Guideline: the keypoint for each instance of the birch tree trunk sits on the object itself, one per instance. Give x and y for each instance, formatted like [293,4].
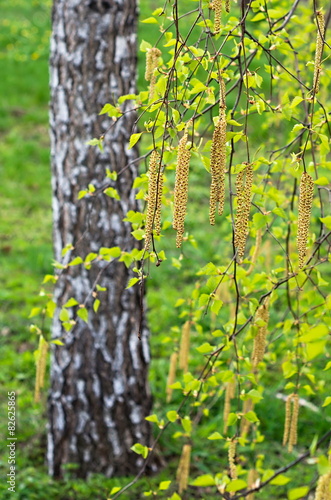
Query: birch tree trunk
[99,395]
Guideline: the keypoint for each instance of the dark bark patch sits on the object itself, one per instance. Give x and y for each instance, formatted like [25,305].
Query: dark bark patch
[99,6]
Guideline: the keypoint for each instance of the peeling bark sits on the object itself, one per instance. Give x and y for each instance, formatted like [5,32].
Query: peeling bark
[99,395]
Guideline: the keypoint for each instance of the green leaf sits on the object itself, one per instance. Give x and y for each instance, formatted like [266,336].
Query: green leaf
[327,221]
[115,489]
[82,193]
[113,252]
[187,424]
[110,110]
[144,46]
[297,493]
[150,20]
[204,299]
[164,485]
[216,306]
[327,366]
[76,261]
[204,480]
[259,220]
[322,181]
[175,496]
[172,415]
[131,282]
[205,348]
[71,303]
[57,342]
[152,418]
[34,312]
[316,333]
[127,97]
[82,313]
[66,249]
[296,101]
[327,401]
[112,193]
[134,139]
[96,305]
[258,17]
[111,174]
[215,435]
[280,480]
[140,450]
[232,419]
[236,485]
[64,315]
[251,416]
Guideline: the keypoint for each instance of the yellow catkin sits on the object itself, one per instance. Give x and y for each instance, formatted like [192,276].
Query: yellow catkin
[218,160]
[229,394]
[227,5]
[183,470]
[245,424]
[260,338]
[251,482]
[185,346]
[41,359]
[154,195]
[232,458]
[152,59]
[323,490]
[287,420]
[159,193]
[258,241]
[304,212]
[293,434]
[181,188]
[319,50]
[217,7]
[244,183]
[291,421]
[171,375]
[152,56]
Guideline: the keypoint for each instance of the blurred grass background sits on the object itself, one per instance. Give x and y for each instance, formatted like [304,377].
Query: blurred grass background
[26,256]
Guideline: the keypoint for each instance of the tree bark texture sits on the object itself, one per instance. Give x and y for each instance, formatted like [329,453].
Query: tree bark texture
[99,395]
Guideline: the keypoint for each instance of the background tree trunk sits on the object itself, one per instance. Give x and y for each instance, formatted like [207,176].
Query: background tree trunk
[99,395]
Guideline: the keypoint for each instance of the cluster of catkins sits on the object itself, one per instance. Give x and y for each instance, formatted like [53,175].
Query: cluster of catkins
[244,179]
[217,7]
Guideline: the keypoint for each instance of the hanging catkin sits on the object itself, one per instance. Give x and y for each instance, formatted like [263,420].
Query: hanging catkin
[181,188]
[251,482]
[171,375]
[184,346]
[258,241]
[304,212]
[152,59]
[229,394]
[183,470]
[218,160]
[154,196]
[320,21]
[41,359]
[291,421]
[217,7]
[246,424]
[323,490]
[244,183]
[232,457]
[260,338]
